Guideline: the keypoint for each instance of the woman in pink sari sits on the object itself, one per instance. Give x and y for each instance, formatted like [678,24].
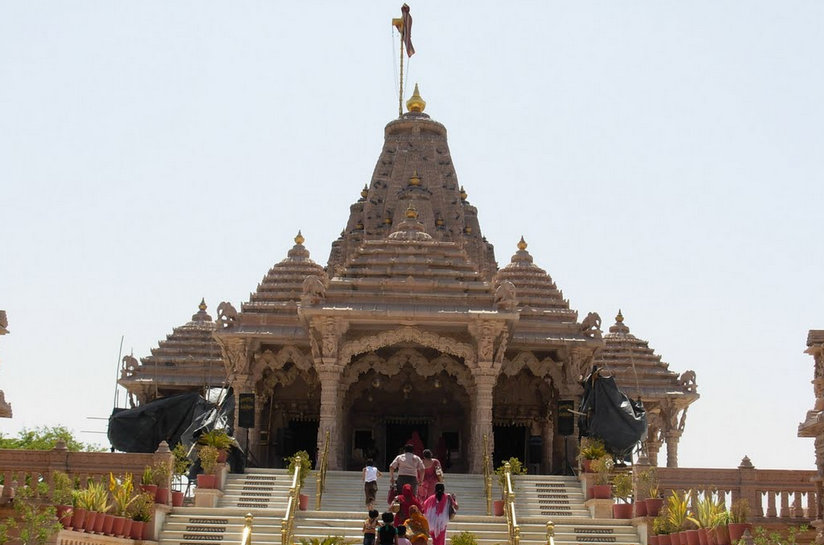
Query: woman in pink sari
[431,467]
[436,511]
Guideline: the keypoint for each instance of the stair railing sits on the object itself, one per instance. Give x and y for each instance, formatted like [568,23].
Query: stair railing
[509,507]
[487,461]
[321,472]
[246,537]
[550,533]
[287,525]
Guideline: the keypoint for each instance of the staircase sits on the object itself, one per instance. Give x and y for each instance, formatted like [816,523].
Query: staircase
[263,493]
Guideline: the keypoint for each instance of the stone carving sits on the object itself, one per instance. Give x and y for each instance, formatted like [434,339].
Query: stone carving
[226,314]
[505,296]
[591,325]
[408,334]
[687,381]
[235,357]
[272,360]
[128,366]
[406,356]
[314,290]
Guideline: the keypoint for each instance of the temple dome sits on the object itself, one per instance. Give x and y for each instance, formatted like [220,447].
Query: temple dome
[533,285]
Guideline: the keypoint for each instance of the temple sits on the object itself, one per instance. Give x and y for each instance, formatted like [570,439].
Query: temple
[412,330]
[5,408]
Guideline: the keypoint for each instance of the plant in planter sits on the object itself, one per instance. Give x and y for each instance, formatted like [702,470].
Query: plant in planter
[218,439]
[99,497]
[704,511]
[739,514]
[141,511]
[147,481]
[300,457]
[678,509]
[62,488]
[720,528]
[181,468]
[163,479]
[653,501]
[622,490]
[208,462]
[464,538]
[515,468]
[34,523]
[589,450]
[662,528]
[603,468]
[122,491]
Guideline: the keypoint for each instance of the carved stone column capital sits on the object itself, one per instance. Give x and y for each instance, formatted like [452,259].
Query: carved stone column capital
[236,356]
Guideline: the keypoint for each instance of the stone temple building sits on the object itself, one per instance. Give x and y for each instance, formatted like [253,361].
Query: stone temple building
[412,330]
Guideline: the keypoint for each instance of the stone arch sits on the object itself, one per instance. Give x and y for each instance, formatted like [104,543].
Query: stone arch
[446,345]
[539,368]
[392,366]
[279,359]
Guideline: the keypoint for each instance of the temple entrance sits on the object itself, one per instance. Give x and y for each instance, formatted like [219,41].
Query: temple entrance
[510,441]
[400,395]
[301,435]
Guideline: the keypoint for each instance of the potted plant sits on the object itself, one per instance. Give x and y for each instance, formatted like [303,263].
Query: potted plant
[622,490]
[79,503]
[218,439]
[589,450]
[739,514]
[300,457]
[464,538]
[644,479]
[515,468]
[34,523]
[163,479]
[62,488]
[141,511]
[704,511]
[602,467]
[719,527]
[662,527]
[654,501]
[208,462]
[99,497]
[147,481]
[181,468]
[122,491]
[677,510]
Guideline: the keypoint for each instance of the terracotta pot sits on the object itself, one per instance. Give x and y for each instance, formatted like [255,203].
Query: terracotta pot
[682,537]
[137,529]
[303,502]
[206,481]
[693,537]
[149,489]
[117,526]
[127,527]
[586,466]
[653,539]
[653,506]
[177,498]
[222,456]
[664,539]
[640,508]
[602,491]
[737,530]
[162,496]
[98,522]
[89,521]
[498,508]
[78,518]
[64,515]
[703,538]
[722,535]
[622,511]
[108,522]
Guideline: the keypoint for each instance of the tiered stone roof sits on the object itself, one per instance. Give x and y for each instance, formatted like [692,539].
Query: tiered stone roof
[189,358]
[638,370]
[415,166]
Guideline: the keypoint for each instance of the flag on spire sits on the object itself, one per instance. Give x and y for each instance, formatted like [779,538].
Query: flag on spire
[406,30]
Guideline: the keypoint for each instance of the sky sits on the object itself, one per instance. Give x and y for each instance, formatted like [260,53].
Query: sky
[660,157]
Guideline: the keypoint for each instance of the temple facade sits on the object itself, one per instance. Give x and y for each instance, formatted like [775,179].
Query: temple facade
[5,408]
[412,332]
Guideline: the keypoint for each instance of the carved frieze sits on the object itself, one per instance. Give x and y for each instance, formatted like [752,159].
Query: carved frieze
[370,343]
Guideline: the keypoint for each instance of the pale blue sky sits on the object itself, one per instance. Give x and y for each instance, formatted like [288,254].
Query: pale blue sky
[664,158]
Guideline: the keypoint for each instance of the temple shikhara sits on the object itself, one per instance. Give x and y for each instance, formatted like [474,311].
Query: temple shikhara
[413,330]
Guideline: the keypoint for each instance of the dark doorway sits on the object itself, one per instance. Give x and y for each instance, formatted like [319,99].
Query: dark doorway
[397,435]
[301,435]
[510,441]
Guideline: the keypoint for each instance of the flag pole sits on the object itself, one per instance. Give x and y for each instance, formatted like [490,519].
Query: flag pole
[400,90]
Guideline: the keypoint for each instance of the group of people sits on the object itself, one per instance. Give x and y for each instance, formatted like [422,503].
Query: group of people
[419,508]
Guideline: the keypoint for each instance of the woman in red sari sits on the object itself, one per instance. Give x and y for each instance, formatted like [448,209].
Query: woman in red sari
[431,467]
[436,511]
[406,500]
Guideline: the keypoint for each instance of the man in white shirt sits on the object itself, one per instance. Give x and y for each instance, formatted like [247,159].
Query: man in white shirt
[410,470]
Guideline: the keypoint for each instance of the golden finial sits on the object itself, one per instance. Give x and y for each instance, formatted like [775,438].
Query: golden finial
[463,194]
[415,102]
[620,317]
[439,221]
[299,239]
[467,229]
[415,179]
[202,305]
[387,220]
[522,243]
[364,192]
[411,212]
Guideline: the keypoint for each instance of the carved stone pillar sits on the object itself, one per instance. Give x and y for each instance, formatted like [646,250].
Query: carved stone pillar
[241,384]
[482,417]
[254,434]
[672,439]
[329,375]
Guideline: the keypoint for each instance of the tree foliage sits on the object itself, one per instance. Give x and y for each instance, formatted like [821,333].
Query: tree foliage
[45,438]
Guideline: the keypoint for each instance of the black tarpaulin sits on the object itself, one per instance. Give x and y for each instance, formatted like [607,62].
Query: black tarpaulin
[608,414]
